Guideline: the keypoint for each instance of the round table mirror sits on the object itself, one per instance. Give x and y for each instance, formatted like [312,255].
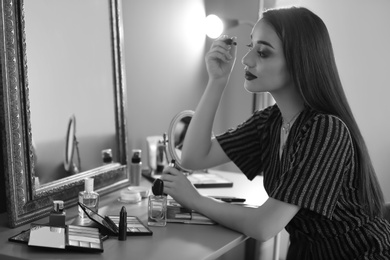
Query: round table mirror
[70,146]
[176,133]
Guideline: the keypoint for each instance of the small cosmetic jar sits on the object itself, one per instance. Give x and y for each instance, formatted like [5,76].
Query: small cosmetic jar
[129,196]
[144,191]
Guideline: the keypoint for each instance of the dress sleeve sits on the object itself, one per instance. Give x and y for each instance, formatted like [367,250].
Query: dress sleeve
[244,144]
[319,162]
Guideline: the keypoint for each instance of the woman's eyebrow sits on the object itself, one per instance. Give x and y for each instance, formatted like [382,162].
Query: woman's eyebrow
[265,43]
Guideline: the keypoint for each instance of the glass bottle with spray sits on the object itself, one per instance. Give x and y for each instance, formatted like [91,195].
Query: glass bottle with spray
[88,197]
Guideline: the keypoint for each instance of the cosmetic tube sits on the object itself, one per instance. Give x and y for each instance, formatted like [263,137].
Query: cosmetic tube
[122,224]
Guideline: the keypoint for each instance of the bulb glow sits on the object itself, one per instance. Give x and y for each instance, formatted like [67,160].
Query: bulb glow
[214,26]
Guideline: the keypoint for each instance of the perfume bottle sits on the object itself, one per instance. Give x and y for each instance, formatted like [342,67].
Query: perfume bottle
[135,168]
[157,205]
[57,215]
[88,197]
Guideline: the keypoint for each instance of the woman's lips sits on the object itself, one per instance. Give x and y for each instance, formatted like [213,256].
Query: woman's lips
[249,76]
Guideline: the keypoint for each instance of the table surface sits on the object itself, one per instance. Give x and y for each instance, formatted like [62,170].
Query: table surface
[174,241]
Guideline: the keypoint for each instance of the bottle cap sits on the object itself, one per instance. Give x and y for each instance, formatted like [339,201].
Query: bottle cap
[58,205]
[158,187]
[88,184]
[136,156]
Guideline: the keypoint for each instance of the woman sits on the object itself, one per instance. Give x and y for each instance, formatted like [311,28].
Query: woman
[317,172]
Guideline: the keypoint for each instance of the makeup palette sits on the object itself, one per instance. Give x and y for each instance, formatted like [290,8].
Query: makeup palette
[135,227]
[110,224]
[83,238]
[69,237]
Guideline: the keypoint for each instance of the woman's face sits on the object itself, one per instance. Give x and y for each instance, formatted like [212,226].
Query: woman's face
[265,64]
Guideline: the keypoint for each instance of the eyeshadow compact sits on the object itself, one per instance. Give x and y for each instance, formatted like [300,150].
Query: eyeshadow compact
[69,237]
[110,224]
[135,227]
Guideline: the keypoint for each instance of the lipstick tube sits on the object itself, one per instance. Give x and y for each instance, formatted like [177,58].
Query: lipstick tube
[122,224]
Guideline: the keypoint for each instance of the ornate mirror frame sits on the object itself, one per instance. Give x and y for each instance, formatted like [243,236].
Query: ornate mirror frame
[25,203]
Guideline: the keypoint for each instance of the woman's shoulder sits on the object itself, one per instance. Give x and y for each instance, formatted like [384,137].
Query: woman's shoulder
[268,112]
[319,118]
[326,123]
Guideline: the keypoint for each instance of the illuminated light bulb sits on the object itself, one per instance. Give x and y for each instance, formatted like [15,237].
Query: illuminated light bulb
[214,26]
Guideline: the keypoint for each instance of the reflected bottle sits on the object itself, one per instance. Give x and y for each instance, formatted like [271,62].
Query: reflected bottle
[88,197]
[107,156]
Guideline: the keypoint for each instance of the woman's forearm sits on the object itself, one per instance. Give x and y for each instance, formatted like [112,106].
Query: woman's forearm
[261,223]
[197,142]
[242,219]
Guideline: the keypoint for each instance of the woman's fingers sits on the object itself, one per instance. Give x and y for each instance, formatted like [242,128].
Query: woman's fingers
[171,170]
[220,50]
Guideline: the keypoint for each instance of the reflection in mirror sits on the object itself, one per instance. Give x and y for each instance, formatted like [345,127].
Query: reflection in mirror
[73,78]
[71,145]
[25,201]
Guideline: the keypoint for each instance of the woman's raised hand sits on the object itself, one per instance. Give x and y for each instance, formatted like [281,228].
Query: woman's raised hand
[221,57]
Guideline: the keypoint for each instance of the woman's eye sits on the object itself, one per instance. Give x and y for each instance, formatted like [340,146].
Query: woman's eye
[262,54]
[250,46]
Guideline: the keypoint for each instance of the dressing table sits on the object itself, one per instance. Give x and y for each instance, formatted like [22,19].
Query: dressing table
[175,241]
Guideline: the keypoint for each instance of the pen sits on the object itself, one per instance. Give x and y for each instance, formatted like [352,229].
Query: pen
[229,199]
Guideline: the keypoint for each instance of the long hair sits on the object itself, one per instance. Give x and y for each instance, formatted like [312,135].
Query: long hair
[310,60]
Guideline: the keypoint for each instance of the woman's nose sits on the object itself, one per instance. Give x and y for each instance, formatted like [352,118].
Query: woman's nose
[246,60]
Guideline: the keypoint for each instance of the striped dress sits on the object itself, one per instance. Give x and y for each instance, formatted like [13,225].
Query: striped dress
[317,171]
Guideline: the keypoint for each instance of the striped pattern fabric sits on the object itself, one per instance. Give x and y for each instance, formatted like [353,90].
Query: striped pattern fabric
[318,172]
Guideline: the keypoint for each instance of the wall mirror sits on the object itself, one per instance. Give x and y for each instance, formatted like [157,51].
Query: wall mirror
[27,201]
